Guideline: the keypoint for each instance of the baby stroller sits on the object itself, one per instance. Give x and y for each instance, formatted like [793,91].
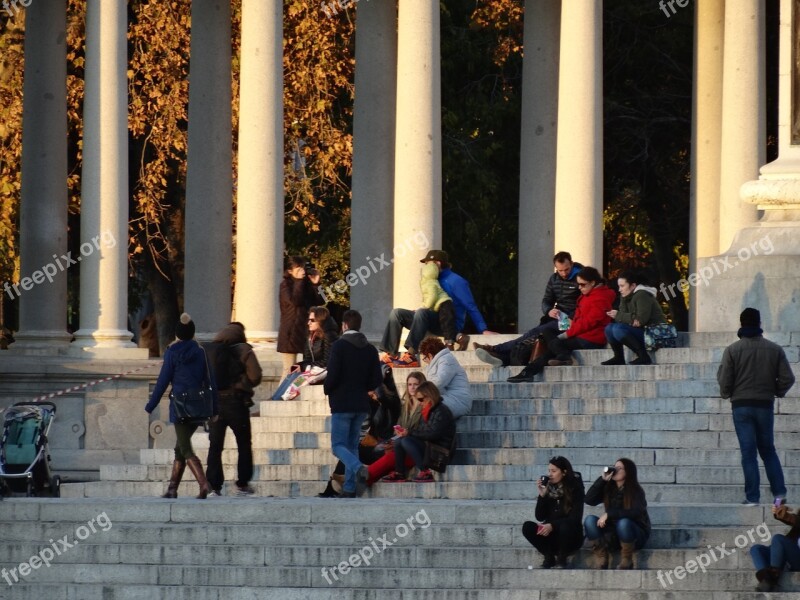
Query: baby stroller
[24,454]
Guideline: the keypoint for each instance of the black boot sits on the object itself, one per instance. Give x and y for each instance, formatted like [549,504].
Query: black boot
[619,354]
[178,467]
[329,491]
[528,374]
[549,561]
[642,357]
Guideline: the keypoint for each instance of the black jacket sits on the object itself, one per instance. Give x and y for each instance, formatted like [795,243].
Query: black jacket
[353,370]
[562,291]
[318,352]
[440,428]
[615,507]
[552,510]
[296,296]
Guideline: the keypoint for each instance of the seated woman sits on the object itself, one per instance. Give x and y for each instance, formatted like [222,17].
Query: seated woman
[638,308]
[587,330]
[410,414]
[783,553]
[625,524]
[559,510]
[437,426]
[445,372]
[321,335]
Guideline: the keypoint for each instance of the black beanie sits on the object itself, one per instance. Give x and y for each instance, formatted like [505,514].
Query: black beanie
[750,317]
[184,330]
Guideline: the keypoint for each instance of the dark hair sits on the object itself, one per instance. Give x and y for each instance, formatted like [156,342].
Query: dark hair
[562,257]
[591,275]
[569,480]
[631,489]
[629,275]
[429,389]
[293,261]
[431,345]
[321,314]
[353,319]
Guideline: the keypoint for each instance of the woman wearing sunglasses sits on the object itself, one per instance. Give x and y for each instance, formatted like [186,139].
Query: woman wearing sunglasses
[559,510]
[436,426]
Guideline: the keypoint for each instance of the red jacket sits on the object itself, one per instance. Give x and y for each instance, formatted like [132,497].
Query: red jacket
[590,318]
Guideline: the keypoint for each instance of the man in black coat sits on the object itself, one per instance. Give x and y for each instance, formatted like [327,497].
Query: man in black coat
[353,371]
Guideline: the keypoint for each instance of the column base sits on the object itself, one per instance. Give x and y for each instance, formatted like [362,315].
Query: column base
[105,343]
[41,342]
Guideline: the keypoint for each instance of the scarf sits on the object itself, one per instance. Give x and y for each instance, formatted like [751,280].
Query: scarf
[426,410]
[750,332]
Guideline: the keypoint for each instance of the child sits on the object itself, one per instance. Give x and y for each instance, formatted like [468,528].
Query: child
[436,299]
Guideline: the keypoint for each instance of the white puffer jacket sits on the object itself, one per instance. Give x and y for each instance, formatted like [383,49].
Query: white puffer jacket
[451,379]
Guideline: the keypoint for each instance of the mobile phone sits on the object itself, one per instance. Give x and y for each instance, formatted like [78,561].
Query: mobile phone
[779,502]
[539,529]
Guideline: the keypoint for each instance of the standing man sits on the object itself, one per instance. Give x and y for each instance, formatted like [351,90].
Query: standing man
[353,371]
[561,294]
[422,321]
[236,372]
[754,371]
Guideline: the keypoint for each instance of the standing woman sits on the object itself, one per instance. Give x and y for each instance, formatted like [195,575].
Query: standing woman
[625,523]
[638,308]
[297,295]
[184,367]
[559,510]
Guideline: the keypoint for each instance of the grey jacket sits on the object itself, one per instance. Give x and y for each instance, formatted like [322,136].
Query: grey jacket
[451,379]
[753,372]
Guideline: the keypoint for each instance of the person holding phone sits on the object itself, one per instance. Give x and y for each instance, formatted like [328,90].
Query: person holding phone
[625,523]
[559,512]
[783,553]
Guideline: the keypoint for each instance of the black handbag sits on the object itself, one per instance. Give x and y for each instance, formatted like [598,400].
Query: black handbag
[195,406]
[436,457]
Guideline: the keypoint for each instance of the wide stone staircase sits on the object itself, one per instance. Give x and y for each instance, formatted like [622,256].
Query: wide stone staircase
[457,538]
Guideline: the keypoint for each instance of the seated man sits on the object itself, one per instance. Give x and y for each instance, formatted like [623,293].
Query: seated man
[422,321]
[561,294]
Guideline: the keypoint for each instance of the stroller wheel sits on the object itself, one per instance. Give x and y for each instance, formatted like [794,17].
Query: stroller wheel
[55,486]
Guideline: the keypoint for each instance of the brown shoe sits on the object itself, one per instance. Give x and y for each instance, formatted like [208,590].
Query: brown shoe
[462,341]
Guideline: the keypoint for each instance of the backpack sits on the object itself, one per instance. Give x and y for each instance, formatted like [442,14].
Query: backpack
[224,363]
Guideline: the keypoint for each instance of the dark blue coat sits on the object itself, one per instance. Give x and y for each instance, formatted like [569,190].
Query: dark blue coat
[353,370]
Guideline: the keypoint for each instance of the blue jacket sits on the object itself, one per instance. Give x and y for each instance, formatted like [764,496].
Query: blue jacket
[185,368]
[353,370]
[463,302]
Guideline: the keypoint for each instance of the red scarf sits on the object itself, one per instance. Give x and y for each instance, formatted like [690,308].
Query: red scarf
[426,410]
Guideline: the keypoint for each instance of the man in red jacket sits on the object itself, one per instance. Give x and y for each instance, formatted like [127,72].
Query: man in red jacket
[587,330]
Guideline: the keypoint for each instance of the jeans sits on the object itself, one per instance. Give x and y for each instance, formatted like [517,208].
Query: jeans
[234,414]
[624,530]
[411,446]
[419,322]
[754,429]
[287,381]
[780,551]
[504,349]
[345,435]
[616,331]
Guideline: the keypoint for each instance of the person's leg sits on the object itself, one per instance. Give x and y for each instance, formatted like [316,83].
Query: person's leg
[239,422]
[544,544]
[765,442]
[424,321]
[629,532]
[599,546]
[614,334]
[592,530]
[289,358]
[342,446]
[216,442]
[400,456]
[284,385]
[183,444]
[447,321]
[634,339]
[415,449]
[760,555]
[398,318]
[744,424]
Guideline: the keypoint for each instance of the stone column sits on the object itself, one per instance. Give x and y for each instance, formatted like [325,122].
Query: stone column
[42,288]
[537,172]
[579,171]
[259,218]
[743,113]
[104,181]
[706,139]
[373,163]
[207,285]
[418,147]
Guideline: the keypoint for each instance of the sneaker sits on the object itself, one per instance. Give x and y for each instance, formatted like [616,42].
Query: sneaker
[386,358]
[395,477]
[489,358]
[424,476]
[462,339]
[748,503]
[244,490]
[407,360]
[214,494]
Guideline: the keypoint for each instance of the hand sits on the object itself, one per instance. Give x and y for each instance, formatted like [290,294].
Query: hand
[612,313]
[553,314]
[636,323]
[487,332]
[313,276]
[214,419]
[542,488]
[601,522]
[607,476]
[544,530]
[562,335]
[295,369]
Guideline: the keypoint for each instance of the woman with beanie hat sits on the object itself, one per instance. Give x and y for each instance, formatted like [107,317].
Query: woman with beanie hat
[186,369]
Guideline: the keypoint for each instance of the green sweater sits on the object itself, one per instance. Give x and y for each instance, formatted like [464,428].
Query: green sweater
[642,305]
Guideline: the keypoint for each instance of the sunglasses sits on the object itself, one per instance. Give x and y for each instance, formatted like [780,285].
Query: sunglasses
[312,320]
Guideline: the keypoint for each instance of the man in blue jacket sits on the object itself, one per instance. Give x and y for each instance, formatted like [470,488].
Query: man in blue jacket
[353,371]
[422,321]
